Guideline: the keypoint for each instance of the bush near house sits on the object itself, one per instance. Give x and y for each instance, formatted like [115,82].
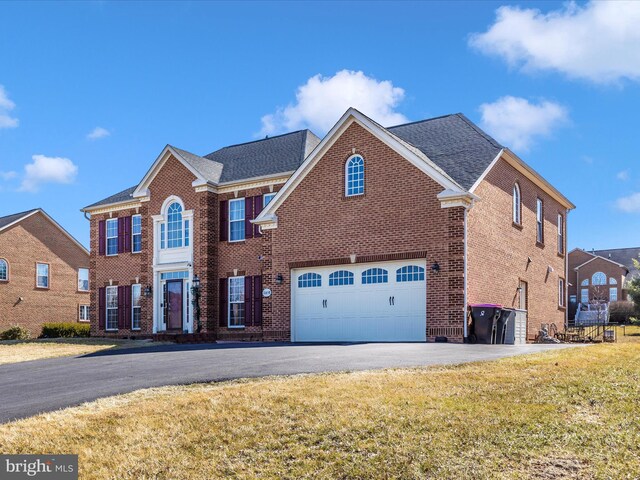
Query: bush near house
[15,333]
[621,312]
[64,330]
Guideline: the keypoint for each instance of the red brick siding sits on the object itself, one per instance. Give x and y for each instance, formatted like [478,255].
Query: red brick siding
[611,270]
[33,240]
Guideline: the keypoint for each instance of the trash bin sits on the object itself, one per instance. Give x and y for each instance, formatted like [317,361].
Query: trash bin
[485,317]
[506,315]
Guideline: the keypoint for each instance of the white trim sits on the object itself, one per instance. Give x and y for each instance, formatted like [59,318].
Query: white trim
[88,307]
[79,289]
[450,198]
[410,153]
[107,237]
[132,234]
[265,195]
[132,306]
[235,303]
[346,175]
[106,309]
[487,170]
[244,220]
[596,257]
[517,207]
[48,275]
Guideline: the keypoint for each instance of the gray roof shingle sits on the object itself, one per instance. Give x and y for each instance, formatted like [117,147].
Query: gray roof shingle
[9,219]
[209,169]
[454,144]
[116,198]
[623,256]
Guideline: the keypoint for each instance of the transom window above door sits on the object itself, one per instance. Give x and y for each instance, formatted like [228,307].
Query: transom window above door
[341,277]
[375,275]
[354,176]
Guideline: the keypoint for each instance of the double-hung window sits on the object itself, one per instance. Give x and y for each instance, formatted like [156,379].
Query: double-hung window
[112,236]
[136,233]
[136,308]
[561,292]
[266,198]
[236,219]
[112,308]
[83,314]
[236,302]
[539,221]
[613,294]
[42,275]
[560,234]
[83,279]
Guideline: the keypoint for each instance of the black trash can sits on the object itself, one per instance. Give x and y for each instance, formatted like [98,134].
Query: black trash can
[485,317]
[506,315]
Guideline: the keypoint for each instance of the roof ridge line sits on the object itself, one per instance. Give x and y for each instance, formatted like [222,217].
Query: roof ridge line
[484,135]
[22,213]
[256,141]
[422,121]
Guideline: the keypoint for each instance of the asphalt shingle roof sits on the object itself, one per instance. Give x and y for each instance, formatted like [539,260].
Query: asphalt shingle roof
[6,220]
[623,256]
[454,144]
[116,198]
[209,169]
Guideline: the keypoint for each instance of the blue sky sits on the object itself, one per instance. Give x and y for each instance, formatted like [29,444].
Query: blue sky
[203,75]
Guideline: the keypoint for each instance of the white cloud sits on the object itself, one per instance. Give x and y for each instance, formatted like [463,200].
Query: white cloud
[629,204]
[322,100]
[47,170]
[599,41]
[516,122]
[8,175]
[98,133]
[623,175]
[6,105]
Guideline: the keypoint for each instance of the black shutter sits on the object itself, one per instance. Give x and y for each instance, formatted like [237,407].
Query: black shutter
[248,301]
[248,215]
[121,307]
[257,300]
[102,237]
[102,306]
[223,302]
[224,221]
[257,208]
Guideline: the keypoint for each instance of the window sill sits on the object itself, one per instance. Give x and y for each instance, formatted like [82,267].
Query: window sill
[83,291]
[41,288]
[352,197]
[561,255]
[84,321]
[111,255]
[110,329]
[4,281]
[561,308]
[235,327]
[539,244]
[136,329]
[237,241]
[517,225]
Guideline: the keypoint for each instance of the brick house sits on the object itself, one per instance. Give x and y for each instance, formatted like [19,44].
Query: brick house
[44,273]
[371,233]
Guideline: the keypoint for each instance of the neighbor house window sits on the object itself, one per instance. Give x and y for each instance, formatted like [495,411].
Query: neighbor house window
[136,291]
[561,292]
[599,278]
[585,282]
[83,315]
[112,308]
[354,176]
[560,234]
[375,275]
[236,219]
[539,221]
[613,281]
[266,198]
[112,236]
[613,294]
[42,275]
[136,233]
[517,205]
[341,277]
[584,295]
[174,225]
[236,302]
[4,270]
[83,279]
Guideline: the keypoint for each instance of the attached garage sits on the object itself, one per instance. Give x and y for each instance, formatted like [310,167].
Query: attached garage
[377,302]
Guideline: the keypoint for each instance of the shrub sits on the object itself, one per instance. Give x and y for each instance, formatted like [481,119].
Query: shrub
[15,333]
[621,312]
[64,330]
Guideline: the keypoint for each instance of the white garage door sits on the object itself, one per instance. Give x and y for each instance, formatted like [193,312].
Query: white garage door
[381,302]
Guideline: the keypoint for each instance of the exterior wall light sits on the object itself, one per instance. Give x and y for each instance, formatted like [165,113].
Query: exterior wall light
[435,268]
[148,291]
[279,279]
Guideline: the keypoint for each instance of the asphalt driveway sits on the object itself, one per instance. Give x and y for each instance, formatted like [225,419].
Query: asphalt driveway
[29,388]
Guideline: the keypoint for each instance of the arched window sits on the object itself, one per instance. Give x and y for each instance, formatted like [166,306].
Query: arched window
[410,273]
[517,205]
[354,176]
[599,278]
[310,279]
[174,225]
[341,277]
[613,281]
[4,270]
[375,275]
[585,282]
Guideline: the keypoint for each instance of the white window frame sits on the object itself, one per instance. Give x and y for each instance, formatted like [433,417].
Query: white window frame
[243,220]
[6,270]
[561,293]
[517,204]
[585,283]
[613,281]
[539,221]
[614,291]
[230,281]
[107,237]
[47,276]
[180,229]
[561,234]
[270,196]
[138,287]
[346,175]
[84,308]
[133,234]
[600,276]
[108,289]
[584,295]
[79,280]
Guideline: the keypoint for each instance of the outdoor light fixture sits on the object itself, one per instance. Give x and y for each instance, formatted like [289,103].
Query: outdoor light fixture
[196,281]
[148,291]
[435,268]
[279,279]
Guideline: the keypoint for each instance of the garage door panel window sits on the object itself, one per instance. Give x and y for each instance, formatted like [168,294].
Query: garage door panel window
[309,280]
[410,273]
[236,302]
[341,277]
[375,275]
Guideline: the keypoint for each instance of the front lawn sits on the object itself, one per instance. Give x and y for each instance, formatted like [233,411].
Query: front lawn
[13,351]
[562,414]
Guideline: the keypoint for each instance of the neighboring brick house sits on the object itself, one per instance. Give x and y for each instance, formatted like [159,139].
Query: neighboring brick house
[600,275]
[371,233]
[44,273]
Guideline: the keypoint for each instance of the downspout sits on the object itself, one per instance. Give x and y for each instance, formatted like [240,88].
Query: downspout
[566,272]
[464,312]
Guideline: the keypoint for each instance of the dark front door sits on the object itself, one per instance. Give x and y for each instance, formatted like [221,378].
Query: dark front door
[174,305]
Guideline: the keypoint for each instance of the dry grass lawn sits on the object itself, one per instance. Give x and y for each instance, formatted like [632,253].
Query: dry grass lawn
[562,414]
[13,351]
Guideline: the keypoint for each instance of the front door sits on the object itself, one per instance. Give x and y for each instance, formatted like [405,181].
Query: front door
[174,305]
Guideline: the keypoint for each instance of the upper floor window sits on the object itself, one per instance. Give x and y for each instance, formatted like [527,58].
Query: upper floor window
[375,275]
[136,233]
[539,221]
[560,234]
[310,279]
[83,279]
[517,205]
[613,281]
[175,230]
[42,275]
[236,219]
[4,270]
[112,236]
[341,277]
[561,292]
[585,282]
[266,198]
[599,278]
[354,176]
